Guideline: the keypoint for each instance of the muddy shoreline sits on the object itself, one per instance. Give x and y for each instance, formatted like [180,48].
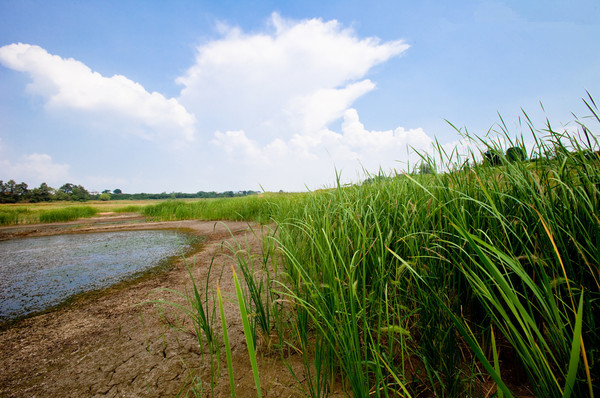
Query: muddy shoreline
[121,343]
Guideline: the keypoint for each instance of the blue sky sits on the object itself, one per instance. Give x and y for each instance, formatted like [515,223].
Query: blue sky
[155,96]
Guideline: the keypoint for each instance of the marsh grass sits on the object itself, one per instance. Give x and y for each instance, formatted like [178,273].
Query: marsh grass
[258,208]
[226,343]
[129,209]
[66,214]
[15,215]
[198,305]
[475,280]
[11,214]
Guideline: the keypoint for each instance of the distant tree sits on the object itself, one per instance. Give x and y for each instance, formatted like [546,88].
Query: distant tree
[21,191]
[492,157]
[42,194]
[80,194]
[515,154]
[72,192]
[104,196]
[10,187]
[117,191]
[64,192]
[106,191]
[7,194]
[425,168]
[11,192]
[67,188]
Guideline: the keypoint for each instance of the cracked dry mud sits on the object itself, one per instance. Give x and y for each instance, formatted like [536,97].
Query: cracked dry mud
[111,346]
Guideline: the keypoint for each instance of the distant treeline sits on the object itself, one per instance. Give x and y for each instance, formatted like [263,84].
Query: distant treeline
[11,192]
[180,195]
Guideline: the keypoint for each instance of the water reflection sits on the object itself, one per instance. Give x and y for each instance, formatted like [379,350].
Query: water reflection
[36,273]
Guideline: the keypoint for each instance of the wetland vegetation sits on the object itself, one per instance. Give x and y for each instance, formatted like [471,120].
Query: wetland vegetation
[473,278]
[476,275]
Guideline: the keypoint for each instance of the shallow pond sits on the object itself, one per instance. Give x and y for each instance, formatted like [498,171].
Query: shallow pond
[37,273]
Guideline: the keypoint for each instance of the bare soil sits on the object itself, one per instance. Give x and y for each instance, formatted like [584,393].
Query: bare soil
[117,344]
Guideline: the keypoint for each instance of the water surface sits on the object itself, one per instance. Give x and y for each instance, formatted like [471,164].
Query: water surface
[37,273]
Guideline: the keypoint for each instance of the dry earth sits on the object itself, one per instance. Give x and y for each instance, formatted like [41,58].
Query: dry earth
[111,345]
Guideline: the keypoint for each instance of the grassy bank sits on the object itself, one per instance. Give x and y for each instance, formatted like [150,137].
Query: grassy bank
[12,214]
[29,214]
[67,214]
[477,281]
[262,208]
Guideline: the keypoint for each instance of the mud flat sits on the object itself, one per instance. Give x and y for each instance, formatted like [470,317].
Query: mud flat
[108,344]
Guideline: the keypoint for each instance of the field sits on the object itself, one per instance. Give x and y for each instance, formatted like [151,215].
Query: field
[482,279]
[20,213]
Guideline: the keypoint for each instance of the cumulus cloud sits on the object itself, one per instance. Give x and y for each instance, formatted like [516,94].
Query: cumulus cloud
[36,168]
[68,84]
[268,102]
[298,76]
[312,159]
[237,142]
[273,107]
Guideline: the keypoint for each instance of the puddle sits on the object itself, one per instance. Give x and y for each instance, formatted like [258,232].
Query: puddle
[38,273]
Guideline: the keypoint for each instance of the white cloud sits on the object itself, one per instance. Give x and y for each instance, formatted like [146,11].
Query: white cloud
[69,84]
[324,106]
[298,76]
[237,142]
[273,107]
[356,135]
[36,168]
[269,101]
[313,158]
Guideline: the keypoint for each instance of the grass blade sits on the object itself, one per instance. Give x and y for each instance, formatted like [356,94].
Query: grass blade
[247,333]
[226,341]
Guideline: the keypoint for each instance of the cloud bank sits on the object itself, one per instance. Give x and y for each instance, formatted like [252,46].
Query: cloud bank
[71,85]
[272,108]
[296,77]
[269,102]
[33,169]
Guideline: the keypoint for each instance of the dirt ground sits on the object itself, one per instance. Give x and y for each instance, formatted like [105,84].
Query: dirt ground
[111,345]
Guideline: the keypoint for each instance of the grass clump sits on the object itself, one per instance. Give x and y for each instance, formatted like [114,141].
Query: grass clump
[14,215]
[70,213]
[129,209]
[258,208]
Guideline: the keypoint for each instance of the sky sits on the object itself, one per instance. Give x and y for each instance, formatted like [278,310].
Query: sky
[188,96]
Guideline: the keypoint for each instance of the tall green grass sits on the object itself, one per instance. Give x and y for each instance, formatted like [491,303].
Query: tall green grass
[247,208]
[14,215]
[28,214]
[66,214]
[477,280]
[405,277]
[129,209]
